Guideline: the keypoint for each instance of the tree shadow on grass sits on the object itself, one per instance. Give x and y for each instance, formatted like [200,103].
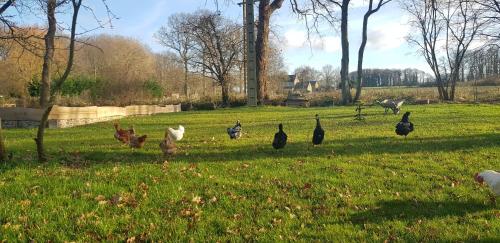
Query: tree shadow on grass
[349,147]
[220,153]
[410,210]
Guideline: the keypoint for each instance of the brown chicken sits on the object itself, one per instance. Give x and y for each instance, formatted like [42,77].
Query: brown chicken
[137,142]
[167,145]
[121,134]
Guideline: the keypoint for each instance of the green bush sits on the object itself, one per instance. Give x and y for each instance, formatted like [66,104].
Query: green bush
[73,86]
[154,88]
[34,87]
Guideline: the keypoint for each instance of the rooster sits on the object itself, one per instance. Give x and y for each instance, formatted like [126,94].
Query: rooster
[395,106]
[280,138]
[235,132]
[122,135]
[178,134]
[404,127]
[319,133]
[492,179]
[167,145]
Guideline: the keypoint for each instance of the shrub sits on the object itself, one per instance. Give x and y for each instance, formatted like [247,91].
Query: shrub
[153,88]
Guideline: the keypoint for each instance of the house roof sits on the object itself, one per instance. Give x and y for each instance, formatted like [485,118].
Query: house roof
[291,78]
[302,85]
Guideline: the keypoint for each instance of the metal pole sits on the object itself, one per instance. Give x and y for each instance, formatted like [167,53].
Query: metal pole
[244,53]
[251,58]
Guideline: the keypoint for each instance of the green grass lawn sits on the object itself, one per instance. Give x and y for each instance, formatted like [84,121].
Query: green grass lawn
[363,184]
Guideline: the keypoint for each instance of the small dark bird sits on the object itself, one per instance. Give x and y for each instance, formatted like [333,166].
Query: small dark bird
[404,127]
[280,137]
[235,132]
[319,133]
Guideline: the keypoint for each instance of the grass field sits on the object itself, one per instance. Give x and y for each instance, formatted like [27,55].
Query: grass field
[363,184]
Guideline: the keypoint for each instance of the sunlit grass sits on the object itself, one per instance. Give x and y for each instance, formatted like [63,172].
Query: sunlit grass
[363,184]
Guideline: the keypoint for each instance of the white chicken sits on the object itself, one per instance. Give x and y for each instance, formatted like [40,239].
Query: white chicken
[491,178]
[176,135]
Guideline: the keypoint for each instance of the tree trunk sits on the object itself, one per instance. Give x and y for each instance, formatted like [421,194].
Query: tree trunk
[454,79]
[344,69]
[261,50]
[46,78]
[266,9]
[361,53]
[186,87]
[225,93]
[49,54]
[42,156]
[3,152]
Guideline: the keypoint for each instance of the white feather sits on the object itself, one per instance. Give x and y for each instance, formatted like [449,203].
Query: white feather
[178,134]
[492,178]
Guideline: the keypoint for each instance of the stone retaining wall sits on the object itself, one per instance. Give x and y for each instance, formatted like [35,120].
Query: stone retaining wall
[61,117]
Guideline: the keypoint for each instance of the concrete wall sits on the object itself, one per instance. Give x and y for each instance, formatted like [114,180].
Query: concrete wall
[61,117]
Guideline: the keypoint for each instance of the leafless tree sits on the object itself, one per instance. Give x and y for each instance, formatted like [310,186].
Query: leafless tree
[218,48]
[330,75]
[444,31]
[177,38]
[307,73]
[266,9]
[316,11]
[364,38]
[491,10]
[48,94]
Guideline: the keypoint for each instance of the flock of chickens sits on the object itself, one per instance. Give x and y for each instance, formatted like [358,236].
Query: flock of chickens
[168,147]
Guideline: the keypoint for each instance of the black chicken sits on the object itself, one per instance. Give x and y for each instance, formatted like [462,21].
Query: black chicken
[235,132]
[404,127]
[319,133]
[280,137]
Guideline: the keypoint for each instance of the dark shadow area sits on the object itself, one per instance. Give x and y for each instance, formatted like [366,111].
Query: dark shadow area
[412,210]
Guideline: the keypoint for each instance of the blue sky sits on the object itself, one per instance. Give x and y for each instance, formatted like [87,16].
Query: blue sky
[387,47]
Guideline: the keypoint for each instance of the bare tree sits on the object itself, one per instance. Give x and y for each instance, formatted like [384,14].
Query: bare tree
[49,94]
[266,9]
[491,10]
[330,75]
[218,48]
[364,38]
[326,10]
[458,23]
[177,38]
[307,73]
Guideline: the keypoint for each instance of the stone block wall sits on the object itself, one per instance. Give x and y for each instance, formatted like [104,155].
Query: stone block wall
[62,117]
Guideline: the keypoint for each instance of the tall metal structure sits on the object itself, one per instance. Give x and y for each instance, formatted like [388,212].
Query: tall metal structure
[251,64]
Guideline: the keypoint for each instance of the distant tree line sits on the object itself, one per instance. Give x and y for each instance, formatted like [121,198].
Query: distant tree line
[481,64]
[392,77]
[329,77]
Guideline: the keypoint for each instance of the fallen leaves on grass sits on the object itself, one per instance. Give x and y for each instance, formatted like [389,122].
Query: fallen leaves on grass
[25,203]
